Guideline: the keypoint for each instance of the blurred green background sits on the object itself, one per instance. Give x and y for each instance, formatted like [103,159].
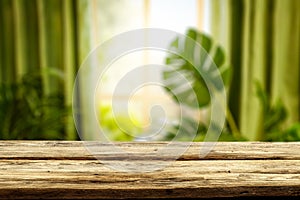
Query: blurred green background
[43,43]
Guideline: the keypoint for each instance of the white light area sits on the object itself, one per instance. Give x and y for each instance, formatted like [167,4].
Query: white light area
[206,25]
[144,98]
[125,65]
[118,16]
[176,15]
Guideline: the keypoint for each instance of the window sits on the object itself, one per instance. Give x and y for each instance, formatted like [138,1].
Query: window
[149,103]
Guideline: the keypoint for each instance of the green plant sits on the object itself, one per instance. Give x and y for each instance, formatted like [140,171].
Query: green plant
[26,113]
[178,64]
[116,126]
[274,117]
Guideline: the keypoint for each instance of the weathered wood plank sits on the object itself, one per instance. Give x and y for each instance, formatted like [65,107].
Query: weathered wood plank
[76,150]
[192,178]
[58,169]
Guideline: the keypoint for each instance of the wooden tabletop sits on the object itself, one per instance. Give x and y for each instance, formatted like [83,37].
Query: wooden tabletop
[61,169]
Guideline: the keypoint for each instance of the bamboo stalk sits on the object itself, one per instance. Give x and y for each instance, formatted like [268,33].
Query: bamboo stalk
[20,38]
[298,19]
[1,43]
[31,43]
[84,14]
[286,57]
[69,61]
[235,33]
[43,45]
[50,40]
[215,17]
[6,61]
[228,32]
[246,128]
[259,67]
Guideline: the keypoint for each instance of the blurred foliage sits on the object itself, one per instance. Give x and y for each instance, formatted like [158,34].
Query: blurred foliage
[118,127]
[179,65]
[274,114]
[261,39]
[201,132]
[185,130]
[26,113]
[274,117]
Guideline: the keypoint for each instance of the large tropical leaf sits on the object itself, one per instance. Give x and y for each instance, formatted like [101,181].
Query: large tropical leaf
[183,80]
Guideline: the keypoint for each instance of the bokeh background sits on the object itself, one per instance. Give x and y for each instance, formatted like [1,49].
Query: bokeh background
[43,43]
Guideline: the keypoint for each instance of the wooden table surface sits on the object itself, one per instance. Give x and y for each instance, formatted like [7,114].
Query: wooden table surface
[61,169]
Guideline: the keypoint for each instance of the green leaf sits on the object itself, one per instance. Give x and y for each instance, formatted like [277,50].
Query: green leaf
[226,73]
[219,56]
[183,80]
[274,115]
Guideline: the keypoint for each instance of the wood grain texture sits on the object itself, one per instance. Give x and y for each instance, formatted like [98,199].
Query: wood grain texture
[59,169]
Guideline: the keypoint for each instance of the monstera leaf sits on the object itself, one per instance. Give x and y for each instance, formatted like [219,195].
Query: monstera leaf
[183,80]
